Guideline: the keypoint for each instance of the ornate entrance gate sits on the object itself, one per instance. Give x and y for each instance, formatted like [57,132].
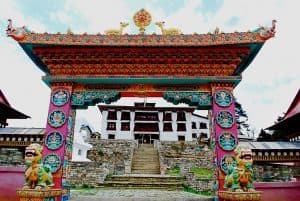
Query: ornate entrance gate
[82,70]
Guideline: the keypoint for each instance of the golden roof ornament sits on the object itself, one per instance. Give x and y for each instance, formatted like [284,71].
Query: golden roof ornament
[142,19]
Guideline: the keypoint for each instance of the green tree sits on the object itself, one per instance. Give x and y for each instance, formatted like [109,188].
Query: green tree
[241,118]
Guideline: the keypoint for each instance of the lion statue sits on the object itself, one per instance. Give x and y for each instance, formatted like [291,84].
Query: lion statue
[37,176]
[240,175]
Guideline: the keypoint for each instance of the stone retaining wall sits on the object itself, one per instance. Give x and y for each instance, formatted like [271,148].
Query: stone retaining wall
[187,155]
[107,157]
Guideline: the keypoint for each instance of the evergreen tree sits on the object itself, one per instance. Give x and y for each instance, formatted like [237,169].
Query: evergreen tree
[242,119]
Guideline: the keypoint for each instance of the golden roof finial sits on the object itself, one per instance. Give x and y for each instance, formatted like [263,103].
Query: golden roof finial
[142,19]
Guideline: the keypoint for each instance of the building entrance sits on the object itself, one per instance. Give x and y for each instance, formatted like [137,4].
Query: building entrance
[146,138]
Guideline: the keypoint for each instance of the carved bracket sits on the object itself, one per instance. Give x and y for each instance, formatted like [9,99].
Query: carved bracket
[203,100]
[81,100]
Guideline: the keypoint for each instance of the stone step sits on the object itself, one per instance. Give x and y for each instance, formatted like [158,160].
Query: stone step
[152,185]
[146,177]
[145,172]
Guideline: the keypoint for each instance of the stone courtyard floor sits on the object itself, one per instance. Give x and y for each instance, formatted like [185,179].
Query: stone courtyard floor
[134,195]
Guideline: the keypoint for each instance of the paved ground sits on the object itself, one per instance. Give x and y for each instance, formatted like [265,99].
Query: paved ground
[134,195]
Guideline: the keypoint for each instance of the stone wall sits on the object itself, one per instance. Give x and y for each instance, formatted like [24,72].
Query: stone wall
[107,157]
[187,155]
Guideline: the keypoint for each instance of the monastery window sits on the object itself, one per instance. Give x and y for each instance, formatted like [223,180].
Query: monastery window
[181,138]
[112,115]
[79,152]
[111,136]
[203,125]
[181,116]
[194,135]
[146,127]
[146,116]
[125,126]
[194,125]
[167,116]
[181,127]
[125,116]
[111,126]
[168,127]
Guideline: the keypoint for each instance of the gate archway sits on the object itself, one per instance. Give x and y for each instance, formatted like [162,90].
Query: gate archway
[82,70]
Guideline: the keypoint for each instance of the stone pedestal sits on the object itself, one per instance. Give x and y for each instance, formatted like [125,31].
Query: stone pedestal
[239,196]
[39,195]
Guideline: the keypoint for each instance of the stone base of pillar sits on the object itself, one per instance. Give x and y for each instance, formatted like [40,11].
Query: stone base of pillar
[39,195]
[239,196]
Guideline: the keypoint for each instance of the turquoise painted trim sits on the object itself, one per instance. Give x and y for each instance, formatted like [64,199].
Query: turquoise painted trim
[142,80]
[202,100]
[81,100]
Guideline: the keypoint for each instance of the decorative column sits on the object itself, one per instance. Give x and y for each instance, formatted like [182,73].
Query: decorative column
[58,134]
[68,154]
[225,129]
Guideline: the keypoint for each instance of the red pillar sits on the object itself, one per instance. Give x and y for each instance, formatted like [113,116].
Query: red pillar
[56,134]
[225,129]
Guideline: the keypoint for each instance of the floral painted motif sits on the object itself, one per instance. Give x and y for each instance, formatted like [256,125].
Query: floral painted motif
[199,99]
[54,140]
[85,99]
[60,97]
[225,119]
[57,118]
[227,141]
[223,98]
[53,161]
[227,162]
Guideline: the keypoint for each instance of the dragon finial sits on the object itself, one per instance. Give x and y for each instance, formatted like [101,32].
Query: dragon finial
[267,32]
[17,33]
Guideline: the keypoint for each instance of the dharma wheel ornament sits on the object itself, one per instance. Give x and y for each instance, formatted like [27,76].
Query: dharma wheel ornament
[142,19]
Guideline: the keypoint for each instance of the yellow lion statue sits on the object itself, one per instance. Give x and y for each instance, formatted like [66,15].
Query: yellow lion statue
[37,176]
[240,176]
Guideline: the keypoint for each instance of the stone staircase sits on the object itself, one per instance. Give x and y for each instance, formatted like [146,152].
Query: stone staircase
[145,173]
[145,160]
[145,181]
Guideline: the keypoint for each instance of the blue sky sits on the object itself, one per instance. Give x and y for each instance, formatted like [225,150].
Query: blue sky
[269,84]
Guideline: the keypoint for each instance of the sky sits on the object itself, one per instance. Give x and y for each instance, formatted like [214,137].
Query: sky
[268,86]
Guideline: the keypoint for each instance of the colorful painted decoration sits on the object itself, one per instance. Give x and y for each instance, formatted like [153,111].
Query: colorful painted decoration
[54,140]
[227,161]
[60,97]
[223,98]
[85,99]
[53,161]
[57,118]
[225,119]
[227,141]
[200,99]
[142,19]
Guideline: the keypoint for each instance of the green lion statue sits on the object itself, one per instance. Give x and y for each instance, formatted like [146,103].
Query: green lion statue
[37,176]
[240,176]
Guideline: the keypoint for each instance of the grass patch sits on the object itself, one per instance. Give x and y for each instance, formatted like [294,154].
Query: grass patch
[174,171]
[194,191]
[201,173]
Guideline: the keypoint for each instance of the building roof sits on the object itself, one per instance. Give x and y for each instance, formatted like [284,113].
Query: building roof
[291,117]
[21,131]
[153,58]
[7,111]
[271,145]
